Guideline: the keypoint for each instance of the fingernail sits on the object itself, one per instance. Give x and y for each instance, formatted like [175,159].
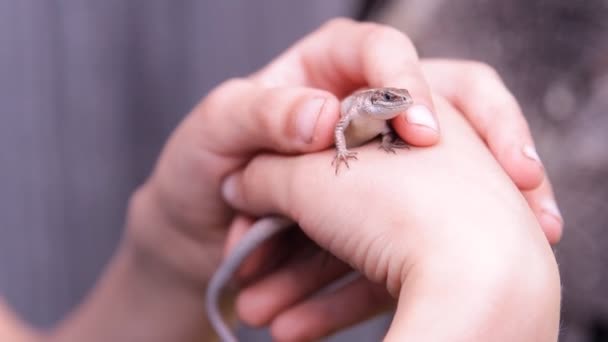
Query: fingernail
[229,189]
[530,152]
[550,207]
[552,227]
[421,115]
[306,118]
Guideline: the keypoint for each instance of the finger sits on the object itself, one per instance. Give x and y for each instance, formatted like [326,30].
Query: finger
[266,198]
[479,93]
[329,312]
[242,117]
[259,303]
[542,202]
[344,55]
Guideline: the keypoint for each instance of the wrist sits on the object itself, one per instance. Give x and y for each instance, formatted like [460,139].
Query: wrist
[501,289]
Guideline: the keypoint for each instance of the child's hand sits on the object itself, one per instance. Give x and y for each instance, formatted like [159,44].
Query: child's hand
[443,229]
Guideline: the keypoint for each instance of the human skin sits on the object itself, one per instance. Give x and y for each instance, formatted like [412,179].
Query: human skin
[176,223]
[444,230]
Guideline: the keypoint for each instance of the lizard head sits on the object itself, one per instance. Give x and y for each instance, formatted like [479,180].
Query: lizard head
[386,103]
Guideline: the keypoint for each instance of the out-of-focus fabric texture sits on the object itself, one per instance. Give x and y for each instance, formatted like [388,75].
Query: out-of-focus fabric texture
[89,91]
[553,55]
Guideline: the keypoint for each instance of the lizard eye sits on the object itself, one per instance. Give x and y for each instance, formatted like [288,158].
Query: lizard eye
[387,97]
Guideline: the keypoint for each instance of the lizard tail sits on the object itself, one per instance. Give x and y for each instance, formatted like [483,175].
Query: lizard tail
[261,231]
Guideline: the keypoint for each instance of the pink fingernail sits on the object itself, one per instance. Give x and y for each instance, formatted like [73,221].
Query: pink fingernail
[550,207]
[530,152]
[421,115]
[306,118]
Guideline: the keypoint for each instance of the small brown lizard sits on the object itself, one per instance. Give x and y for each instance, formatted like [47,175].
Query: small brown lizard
[364,115]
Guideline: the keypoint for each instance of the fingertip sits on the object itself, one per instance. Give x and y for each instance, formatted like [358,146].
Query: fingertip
[523,166]
[547,213]
[280,119]
[250,308]
[551,220]
[419,126]
[322,134]
[314,116]
[307,114]
[552,227]
[530,152]
[291,326]
[422,116]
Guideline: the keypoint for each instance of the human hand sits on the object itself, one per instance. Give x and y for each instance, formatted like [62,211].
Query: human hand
[343,56]
[443,229]
[178,215]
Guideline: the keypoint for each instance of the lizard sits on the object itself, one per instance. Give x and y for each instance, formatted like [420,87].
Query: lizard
[364,115]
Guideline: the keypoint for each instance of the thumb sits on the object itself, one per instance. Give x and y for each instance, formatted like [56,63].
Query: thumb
[241,117]
[236,120]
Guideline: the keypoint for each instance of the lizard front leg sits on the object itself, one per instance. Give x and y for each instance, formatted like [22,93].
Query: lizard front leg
[342,153]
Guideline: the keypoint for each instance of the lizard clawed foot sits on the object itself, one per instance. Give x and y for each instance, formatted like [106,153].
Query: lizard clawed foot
[390,146]
[343,157]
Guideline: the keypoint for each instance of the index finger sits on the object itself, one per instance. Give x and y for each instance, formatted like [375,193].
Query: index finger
[343,55]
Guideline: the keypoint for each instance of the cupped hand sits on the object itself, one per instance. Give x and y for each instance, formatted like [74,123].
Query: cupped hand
[444,230]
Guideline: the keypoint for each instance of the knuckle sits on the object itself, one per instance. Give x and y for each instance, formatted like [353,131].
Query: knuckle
[235,82]
[231,88]
[337,23]
[384,34]
[276,112]
[485,82]
[224,94]
[481,71]
[371,32]
[500,107]
[498,99]
[378,41]
[263,108]
[496,103]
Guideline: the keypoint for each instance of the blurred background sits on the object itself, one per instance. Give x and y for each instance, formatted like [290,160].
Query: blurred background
[89,91]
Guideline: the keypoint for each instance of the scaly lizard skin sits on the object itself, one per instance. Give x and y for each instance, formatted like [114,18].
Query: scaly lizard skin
[363,116]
